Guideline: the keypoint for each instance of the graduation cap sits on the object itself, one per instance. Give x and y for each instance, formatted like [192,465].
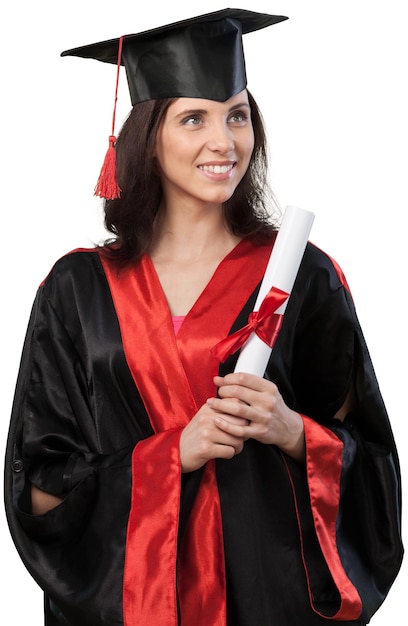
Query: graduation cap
[200,57]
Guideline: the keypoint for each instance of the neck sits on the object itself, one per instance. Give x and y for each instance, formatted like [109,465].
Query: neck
[190,234]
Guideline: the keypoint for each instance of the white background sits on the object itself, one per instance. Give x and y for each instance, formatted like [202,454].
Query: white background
[331,83]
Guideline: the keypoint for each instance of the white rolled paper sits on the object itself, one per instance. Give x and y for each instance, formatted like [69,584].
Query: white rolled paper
[281,272]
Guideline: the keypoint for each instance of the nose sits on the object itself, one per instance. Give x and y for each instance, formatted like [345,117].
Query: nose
[221,138]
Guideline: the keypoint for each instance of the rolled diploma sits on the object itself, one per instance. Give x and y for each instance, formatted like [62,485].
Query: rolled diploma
[281,272]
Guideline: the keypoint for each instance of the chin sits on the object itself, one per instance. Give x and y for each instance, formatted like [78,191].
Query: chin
[220,198]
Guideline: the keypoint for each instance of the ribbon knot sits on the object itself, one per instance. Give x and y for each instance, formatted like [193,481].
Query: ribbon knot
[264,322]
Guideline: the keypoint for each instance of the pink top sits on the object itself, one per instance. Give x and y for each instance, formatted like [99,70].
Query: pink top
[177,322]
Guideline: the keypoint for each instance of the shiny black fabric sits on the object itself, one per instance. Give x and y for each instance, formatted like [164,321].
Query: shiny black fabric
[78,415]
[203,61]
[201,57]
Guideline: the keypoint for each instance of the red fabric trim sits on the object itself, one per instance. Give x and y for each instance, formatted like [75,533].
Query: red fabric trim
[340,274]
[153,543]
[172,387]
[224,297]
[324,465]
[201,572]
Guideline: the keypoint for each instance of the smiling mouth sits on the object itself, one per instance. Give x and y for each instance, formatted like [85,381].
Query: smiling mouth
[217,169]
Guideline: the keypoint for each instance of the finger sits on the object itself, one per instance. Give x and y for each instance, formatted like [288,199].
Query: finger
[228,452]
[231,409]
[240,394]
[243,379]
[240,432]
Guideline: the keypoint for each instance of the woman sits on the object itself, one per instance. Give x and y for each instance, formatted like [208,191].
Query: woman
[146,482]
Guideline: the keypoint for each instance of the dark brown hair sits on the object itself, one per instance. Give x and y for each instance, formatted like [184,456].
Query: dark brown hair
[130,218]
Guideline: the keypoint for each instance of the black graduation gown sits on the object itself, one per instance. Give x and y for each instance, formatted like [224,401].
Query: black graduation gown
[78,415]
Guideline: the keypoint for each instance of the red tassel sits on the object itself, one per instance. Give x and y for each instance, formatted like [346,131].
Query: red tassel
[107,186]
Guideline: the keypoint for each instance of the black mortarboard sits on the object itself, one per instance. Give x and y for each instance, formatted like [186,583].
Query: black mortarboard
[200,57]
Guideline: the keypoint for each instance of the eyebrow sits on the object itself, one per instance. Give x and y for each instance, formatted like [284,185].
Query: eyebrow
[239,105]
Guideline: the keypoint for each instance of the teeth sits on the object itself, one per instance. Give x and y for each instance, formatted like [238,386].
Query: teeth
[217,169]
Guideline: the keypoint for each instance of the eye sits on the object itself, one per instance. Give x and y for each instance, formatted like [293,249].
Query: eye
[192,120]
[237,117]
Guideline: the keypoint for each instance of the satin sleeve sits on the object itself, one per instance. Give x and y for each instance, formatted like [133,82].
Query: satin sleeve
[360,507]
[53,403]
[56,438]
[69,439]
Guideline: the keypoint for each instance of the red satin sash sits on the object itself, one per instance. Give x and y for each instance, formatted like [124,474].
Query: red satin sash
[174,378]
[324,465]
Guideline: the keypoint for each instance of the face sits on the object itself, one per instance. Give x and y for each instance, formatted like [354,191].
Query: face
[203,149]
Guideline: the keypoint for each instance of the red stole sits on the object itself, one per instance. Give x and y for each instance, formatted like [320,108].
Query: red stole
[174,378]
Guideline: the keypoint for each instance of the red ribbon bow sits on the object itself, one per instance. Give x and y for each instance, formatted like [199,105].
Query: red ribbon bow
[264,322]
